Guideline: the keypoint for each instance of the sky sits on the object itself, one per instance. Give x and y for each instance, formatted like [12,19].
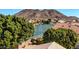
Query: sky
[9,11]
[68,12]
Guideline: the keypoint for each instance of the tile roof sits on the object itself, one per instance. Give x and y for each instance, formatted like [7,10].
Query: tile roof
[55,45]
[41,46]
[52,45]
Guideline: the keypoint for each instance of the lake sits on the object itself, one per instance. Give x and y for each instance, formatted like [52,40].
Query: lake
[41,28]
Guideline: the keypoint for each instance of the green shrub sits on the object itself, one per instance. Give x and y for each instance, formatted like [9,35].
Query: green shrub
[46,21]
[37,41]
[49,35]
[14,30]
[65,37]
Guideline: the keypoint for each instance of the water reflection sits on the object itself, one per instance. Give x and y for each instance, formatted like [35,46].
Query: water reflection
[41,28]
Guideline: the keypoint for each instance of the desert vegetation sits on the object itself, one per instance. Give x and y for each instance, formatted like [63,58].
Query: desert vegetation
[13,31]
[65,37]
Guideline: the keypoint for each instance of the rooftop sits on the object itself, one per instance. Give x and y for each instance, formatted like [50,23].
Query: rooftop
[52,45]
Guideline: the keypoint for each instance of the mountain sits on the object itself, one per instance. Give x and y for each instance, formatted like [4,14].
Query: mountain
[43,14]
[73,17]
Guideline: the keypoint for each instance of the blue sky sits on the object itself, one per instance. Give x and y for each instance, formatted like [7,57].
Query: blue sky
[9,11]
[68,12]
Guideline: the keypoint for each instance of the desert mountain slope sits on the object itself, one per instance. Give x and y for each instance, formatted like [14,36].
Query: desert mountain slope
[43,14]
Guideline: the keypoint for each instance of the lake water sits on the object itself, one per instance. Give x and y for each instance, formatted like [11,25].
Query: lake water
[41,28]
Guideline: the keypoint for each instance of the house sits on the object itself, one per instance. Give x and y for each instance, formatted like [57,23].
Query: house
[61,21]
[52,45]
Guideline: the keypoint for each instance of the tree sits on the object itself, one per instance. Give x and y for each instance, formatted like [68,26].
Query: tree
[13,31]
[65,37]
[46,21]
[48,35]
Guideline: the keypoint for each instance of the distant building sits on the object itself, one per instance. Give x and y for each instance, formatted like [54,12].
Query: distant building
[34,21]
[74,21]
[61,21]
[30,21]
